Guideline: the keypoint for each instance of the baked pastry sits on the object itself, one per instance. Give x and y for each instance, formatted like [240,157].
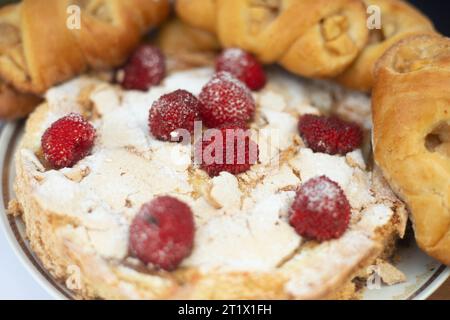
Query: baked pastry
[186,47]
[205,13]
[399,20]
[322,43]
[15,105]
[79,218]
[411,134]
[35,56]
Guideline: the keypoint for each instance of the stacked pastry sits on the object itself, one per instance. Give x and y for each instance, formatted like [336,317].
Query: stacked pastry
[312,38]
[35,56]
[327,39]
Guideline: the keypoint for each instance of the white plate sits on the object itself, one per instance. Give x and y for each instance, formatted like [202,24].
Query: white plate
[424,275]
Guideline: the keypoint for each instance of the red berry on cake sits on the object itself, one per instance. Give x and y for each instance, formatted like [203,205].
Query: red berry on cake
[176,110]
[162,234]
[67,141]
[145,68]
[229,148]
[329,134]
[243,66]
[225,100]
[321,210]
[238,124]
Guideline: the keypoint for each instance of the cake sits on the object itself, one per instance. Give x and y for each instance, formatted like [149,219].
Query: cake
[78,218]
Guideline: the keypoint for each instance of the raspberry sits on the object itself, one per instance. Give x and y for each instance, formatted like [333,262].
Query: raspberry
[67,141]
[243,66]
[329,134]
[145,68]
[225,100]
[320,210]
[162,234]
[238,151]
[176,110]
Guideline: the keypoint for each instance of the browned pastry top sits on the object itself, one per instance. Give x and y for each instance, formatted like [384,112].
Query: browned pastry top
[411,114]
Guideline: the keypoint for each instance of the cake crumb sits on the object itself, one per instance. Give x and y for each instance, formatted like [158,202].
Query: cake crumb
[224,192]
[387,272]
[14,208]
[77,174]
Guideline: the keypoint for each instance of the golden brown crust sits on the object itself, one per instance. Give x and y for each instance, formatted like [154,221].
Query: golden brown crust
[321,43]
[14,104]
[199,14]
[35,56]
[411,114]
[399,20]
[186,47]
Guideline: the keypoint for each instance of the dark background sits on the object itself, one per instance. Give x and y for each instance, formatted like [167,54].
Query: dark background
[438,11]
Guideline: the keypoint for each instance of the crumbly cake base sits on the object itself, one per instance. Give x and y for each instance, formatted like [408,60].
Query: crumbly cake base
[56,259]
[54,238]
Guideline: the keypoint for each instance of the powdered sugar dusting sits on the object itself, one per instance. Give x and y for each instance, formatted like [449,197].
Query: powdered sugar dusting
[321,195]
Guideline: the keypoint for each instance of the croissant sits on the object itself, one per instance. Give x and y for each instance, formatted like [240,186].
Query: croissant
[411,137]
[314,38]
[399,20]
[35,56]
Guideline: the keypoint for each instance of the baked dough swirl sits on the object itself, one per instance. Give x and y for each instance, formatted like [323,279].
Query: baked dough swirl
[399,20]
[14,104]
[411,115]
[312,38]
[35,56]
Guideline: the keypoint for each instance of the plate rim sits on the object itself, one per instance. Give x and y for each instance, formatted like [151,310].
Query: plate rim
[51,285]
[19,251]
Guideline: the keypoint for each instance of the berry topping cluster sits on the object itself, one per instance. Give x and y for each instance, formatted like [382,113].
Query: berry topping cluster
[223,103]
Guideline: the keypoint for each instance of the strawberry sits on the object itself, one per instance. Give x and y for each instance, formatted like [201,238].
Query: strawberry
[237,152]
[321,210]
[329,134]
[176,110]
[225,100]
[145,68]
[243,66]
[67,141]
[162,234]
